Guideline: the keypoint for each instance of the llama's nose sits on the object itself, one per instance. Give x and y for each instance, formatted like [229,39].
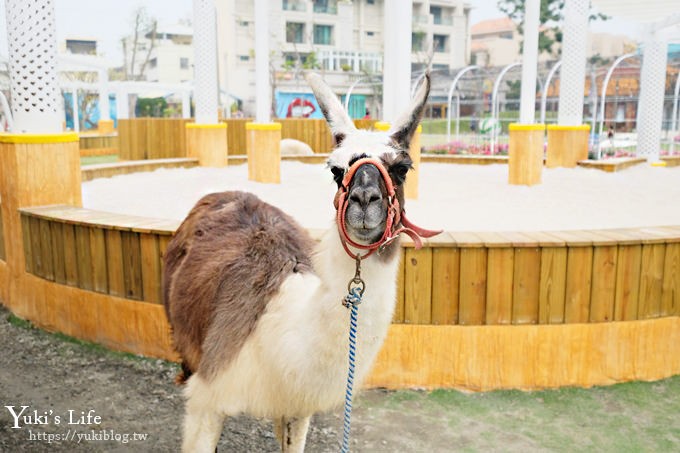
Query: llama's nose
[365,195]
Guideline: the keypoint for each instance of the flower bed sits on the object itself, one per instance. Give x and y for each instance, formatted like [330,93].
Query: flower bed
[462,148]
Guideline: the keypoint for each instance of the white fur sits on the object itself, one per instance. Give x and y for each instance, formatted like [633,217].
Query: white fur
[371,143]
[295,362]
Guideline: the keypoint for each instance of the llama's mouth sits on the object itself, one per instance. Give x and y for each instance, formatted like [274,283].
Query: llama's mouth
[367,235]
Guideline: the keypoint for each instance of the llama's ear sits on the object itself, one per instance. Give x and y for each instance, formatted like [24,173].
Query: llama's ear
[338,120]
[405,126]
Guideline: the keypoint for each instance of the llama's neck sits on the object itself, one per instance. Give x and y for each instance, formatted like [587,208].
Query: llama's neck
[336,268]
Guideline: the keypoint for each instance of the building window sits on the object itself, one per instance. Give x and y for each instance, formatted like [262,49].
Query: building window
[184,63]
[436,11]
[417,41]
[370,2]
[439,42]
[294,5]
[153,63]
[243,23]
[370,33]
[295,32]
[506,35]
[326,6]
[323,34]
[243,57]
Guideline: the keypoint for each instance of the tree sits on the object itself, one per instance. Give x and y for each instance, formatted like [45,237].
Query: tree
[552,13]
[145,28]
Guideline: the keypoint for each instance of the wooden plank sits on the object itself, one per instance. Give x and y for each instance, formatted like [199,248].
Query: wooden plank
[2,239]
[604,283]
[36,256]
[398,317]
[151,268]
[473,267]
[670,297]
[114,262]
[526,285]
[70,255]
[58,256]
[579,274]
[132,265]
[553,285]
[28,244]
[418,286]
[500,273]
[84,258]
[627,294]
[651,280]
[445,285]
[98,254]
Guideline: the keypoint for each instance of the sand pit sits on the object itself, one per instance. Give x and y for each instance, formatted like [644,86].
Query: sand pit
[452,197]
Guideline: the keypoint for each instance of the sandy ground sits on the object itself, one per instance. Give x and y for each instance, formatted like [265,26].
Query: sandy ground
[53,374]
[452,197]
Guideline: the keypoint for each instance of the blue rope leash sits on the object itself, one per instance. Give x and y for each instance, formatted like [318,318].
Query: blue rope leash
[352,300]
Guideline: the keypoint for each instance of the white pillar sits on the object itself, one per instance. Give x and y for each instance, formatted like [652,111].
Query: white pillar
[206,94]
[104,95]
[398,16]
[527,108]
[186,104]
[122,107]
[573,72]
[652,89]
[74,106]
[32,41]
[263,99]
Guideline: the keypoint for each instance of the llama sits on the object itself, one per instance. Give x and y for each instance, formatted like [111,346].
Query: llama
[255,304]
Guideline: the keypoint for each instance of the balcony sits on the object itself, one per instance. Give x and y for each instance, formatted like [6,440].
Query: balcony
[325,7]
[294,6]
[441,20]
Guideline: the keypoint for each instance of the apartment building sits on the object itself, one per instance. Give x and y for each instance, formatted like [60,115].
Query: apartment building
[343,39]
[497,42]
[166,56]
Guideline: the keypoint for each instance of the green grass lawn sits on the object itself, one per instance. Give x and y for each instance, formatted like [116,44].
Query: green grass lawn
[92,160]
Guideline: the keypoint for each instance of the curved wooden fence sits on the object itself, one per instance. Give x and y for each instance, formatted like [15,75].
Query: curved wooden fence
[163,138]
[474,310]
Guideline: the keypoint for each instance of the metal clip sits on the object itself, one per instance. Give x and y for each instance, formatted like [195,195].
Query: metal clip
[355,287]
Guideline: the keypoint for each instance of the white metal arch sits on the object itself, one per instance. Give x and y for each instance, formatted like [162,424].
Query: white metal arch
[494,101]
[604,97]
[351,88]
[674,117]
[546,87]
[449,98]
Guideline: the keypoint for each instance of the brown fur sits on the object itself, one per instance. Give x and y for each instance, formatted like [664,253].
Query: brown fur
[226,261]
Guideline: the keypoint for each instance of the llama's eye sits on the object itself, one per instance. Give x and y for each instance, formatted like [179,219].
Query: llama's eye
[338,174]
[398,171]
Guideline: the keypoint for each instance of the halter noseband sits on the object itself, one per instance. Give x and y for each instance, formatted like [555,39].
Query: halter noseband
[395,214]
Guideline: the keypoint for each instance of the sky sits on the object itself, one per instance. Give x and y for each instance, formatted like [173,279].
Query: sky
[108,21]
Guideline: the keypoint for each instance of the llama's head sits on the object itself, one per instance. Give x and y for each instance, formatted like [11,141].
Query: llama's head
[367,208]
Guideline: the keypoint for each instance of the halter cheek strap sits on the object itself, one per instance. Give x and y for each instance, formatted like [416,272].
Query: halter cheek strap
[395,214]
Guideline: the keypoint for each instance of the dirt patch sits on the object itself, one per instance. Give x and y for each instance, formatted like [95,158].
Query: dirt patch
[54,375]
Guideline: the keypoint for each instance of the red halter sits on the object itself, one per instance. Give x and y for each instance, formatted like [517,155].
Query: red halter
[395,214]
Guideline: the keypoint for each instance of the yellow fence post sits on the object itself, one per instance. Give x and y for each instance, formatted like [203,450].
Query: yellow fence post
[207,143]
[567,145]
[525,154]
[105,126]
[264,152]
[37,169]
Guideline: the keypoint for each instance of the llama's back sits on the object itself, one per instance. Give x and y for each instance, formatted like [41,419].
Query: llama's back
[224,264]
